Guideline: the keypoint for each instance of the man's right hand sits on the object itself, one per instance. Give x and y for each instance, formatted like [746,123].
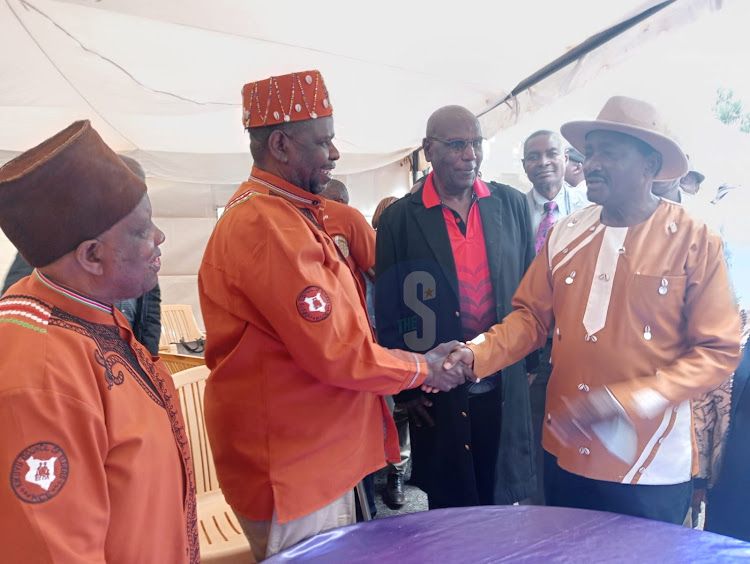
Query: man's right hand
[418,414]
[441,378]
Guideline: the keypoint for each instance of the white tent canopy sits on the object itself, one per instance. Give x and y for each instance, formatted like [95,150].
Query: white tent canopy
[160,80]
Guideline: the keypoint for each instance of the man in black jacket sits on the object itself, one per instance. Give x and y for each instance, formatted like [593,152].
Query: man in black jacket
[448,260]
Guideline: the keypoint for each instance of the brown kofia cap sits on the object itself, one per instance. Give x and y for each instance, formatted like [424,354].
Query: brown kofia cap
[68,189]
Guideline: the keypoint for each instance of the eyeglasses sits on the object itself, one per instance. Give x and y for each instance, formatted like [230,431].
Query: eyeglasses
[459,145]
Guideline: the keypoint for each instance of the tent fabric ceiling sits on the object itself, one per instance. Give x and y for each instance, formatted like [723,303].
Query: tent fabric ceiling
[163,78]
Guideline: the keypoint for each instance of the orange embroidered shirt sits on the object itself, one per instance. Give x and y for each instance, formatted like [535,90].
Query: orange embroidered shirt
[645,312]
[93,449]
[294,404]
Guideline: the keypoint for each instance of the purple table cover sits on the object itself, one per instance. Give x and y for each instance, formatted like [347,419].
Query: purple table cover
[515,534]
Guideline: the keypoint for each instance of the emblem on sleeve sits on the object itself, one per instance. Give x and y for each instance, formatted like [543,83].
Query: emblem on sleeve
[314,304]
[39,472]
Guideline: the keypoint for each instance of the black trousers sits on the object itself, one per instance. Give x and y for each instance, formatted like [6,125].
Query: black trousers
[662,503]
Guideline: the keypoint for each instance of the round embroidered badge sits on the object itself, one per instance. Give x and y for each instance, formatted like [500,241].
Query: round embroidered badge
[39,472]
[342,244]
[314,304]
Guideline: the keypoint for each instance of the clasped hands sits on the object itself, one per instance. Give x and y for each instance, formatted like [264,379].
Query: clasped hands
[450,365]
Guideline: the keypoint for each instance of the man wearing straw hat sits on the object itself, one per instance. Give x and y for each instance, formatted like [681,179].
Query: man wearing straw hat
[94,452]
[644,320]
[294,404]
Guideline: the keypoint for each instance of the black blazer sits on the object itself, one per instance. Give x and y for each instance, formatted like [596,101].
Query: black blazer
[417,308]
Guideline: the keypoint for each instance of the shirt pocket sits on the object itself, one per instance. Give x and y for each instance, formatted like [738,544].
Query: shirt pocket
[658,304]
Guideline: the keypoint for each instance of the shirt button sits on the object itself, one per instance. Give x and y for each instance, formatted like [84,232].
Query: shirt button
[458,314]
[466,447]
[641,470]
[463,414]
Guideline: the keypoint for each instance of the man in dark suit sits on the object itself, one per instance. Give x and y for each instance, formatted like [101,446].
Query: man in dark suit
[449,258]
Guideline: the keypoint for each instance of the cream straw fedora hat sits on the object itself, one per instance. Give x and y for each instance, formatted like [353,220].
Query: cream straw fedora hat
[638,119]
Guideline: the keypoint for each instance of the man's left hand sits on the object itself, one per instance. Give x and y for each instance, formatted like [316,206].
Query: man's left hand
[572,425]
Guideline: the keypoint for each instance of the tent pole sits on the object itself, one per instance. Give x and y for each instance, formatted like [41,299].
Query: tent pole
[577,52]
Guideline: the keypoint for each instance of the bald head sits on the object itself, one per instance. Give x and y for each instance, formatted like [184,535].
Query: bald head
[336,190]
[446,118]
[453,146]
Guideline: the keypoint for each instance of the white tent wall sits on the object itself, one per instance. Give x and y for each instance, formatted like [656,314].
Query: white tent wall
[366,189]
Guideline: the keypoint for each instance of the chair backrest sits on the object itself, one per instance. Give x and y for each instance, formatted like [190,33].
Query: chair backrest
[178,322]
[178,362]
[191,384]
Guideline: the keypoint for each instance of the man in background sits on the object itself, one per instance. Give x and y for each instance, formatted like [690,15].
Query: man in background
[336,191]
[574,168]
[691,182]
[350,231]
[448,259]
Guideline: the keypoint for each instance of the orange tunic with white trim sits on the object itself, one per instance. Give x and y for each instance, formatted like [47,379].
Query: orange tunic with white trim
[96,463]
[645,311]
[294,406]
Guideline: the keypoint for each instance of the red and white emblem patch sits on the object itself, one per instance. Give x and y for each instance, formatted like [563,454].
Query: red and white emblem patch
[39,472]
[314,304]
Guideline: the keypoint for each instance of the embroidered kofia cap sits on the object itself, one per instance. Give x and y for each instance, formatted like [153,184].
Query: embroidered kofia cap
[638,119]
[292,97]
[70,188]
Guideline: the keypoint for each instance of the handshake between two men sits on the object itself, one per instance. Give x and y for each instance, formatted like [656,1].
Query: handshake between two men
[450,365]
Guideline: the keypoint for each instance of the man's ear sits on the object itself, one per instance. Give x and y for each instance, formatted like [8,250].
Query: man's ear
[566,153]
[653,163]
[426,148]
[278,146]
[88,255]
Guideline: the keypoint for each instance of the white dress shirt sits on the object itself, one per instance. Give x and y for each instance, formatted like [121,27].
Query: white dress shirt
[568,200]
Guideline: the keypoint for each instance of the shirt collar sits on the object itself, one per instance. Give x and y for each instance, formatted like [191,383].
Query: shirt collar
[69,300]
[559,199]
[281,187]
[430,197]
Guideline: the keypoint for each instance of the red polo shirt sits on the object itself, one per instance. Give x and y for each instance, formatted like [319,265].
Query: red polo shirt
[477,303]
